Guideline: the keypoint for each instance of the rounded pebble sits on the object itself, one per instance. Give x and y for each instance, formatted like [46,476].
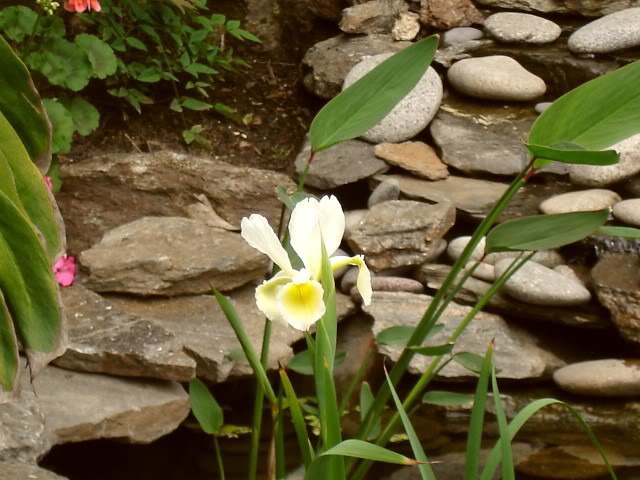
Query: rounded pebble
[495,78]
[628,211]
[600,378]
[483,271]
[611,33]
[384,192]
[457,245]
[542,106]
[461,35]
[412,114]
[512,27]
[548,258]
[582,201]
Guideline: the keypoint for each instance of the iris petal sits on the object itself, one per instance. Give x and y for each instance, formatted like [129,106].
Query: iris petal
[259,234]
[304,231]
[332,223]
[363,282]
[301,305]
[267,297]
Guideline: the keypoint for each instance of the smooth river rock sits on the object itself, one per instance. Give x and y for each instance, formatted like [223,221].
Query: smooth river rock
[389,190]
[539,285]
[581,201]
[401,232]
[628,211]
[376,16]
[617,31]
[589,8]
[518,354]
[339,165]
[601,378]
[548,258]
[457,245]
[171,256]
[495,78]
[415,157]
[461,35]
[412,114]
[513,27]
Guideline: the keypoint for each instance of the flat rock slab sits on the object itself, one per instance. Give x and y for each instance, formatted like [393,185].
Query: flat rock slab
[105,339]
[589,316]
[330,60]
[601,378]
[342,164]
[588,8]
[205,334]
[376,16]
[614,32]
[517,353]
[104,192]
[415,157]
[486,142]
[401,232]
[25,471]
[171,256]
[580,201]
[83,406]
[445,14]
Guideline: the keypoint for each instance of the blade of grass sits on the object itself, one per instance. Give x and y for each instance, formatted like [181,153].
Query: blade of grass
[219,462]
[366,400]
[503,429]
[279,437]
[298,419]
[369,451]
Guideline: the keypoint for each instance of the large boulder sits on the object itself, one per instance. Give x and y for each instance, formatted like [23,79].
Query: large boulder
[589,8]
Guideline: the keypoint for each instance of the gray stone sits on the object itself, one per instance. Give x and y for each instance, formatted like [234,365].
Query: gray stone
[342,164]
[171,256]
[375,16]
[513,27]
[457,245]
[628,211]
[570,273]
[539,285]
[599,176]
[495,78]
[337,274]
[542,106]
[617,31]
[406,27]
[25,471]
[205,334]
[588,316]
[412,114]
[482,143]
[447,56]
[396,284]
[483,271]
[349,279]
[517,353]
[401,232]
[446,14]
[601,378]
[615,280]
[352,219]
[389,190]
[548,258]
[104,192]
[104,339]
[203,212]
[580,201]
[589,8]
[415,157]
[470,195]
[329,61]
[461,35]
[82,406]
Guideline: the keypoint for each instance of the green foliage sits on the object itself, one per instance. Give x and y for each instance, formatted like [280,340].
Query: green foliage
[571,153]
[302,362]
[205,407]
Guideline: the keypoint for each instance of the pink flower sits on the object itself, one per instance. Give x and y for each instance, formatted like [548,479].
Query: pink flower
[47,181]
[65,270]
[79,6]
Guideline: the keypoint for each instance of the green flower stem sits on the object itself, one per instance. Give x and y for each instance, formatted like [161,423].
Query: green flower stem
[216,447]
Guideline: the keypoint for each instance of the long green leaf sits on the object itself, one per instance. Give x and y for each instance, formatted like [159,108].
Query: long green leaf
[9,359]
[503,429]
[447,399]
[469,360]
[435,350]
[543,232]
[368,451]
[476,423]
[370,99]
[426,473]
[623,232]
[596,115]
[235,322]
[575,154]
[205,407]
[522,417]
[366,400]
[281,468]
[297,417]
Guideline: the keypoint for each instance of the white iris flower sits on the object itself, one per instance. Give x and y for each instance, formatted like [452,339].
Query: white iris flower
[295,297]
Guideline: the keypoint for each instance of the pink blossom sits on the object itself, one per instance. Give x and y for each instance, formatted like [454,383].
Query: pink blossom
[65,270]
[48,182]
[79,6]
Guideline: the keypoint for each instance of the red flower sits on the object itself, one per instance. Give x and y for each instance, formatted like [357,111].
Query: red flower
[65,270]
[79,6]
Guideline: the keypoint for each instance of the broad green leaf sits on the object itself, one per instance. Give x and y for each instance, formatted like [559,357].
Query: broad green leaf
[505,439]
[624,232]
[17,22]
[302,362]
[103,60]
[596,115]
[205,407]
[135,43]
[573,153]
[234,320]
[469,360]
[447,399]
[63,63]
[370,99]
[434,350]
[194,104]
[85,116]
[62,124]
[150,75]
[543,232]
[9,359]
[299,424]
[399,335]
[197,68]
[21,105]
[233,24]
[476,423]
[366,400]
[368,451]
[426,473]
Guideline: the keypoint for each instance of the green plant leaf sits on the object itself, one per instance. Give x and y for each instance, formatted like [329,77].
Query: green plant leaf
[426,473]
[135,43]
[469,360]
[63,63]
[596,115]
[54,175]
[299,424]
[62,124]
[366,400]
[447,399]
[100,54]
[623,232]
[370,99]
[302,362]
[9,358]
[205,407]
[17,22]
[194,104]
[399,335]
[503,429]
[85,116]
[196,68]
[543,232]
[150,75]
[572,153]
[368,451]
[434,350]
